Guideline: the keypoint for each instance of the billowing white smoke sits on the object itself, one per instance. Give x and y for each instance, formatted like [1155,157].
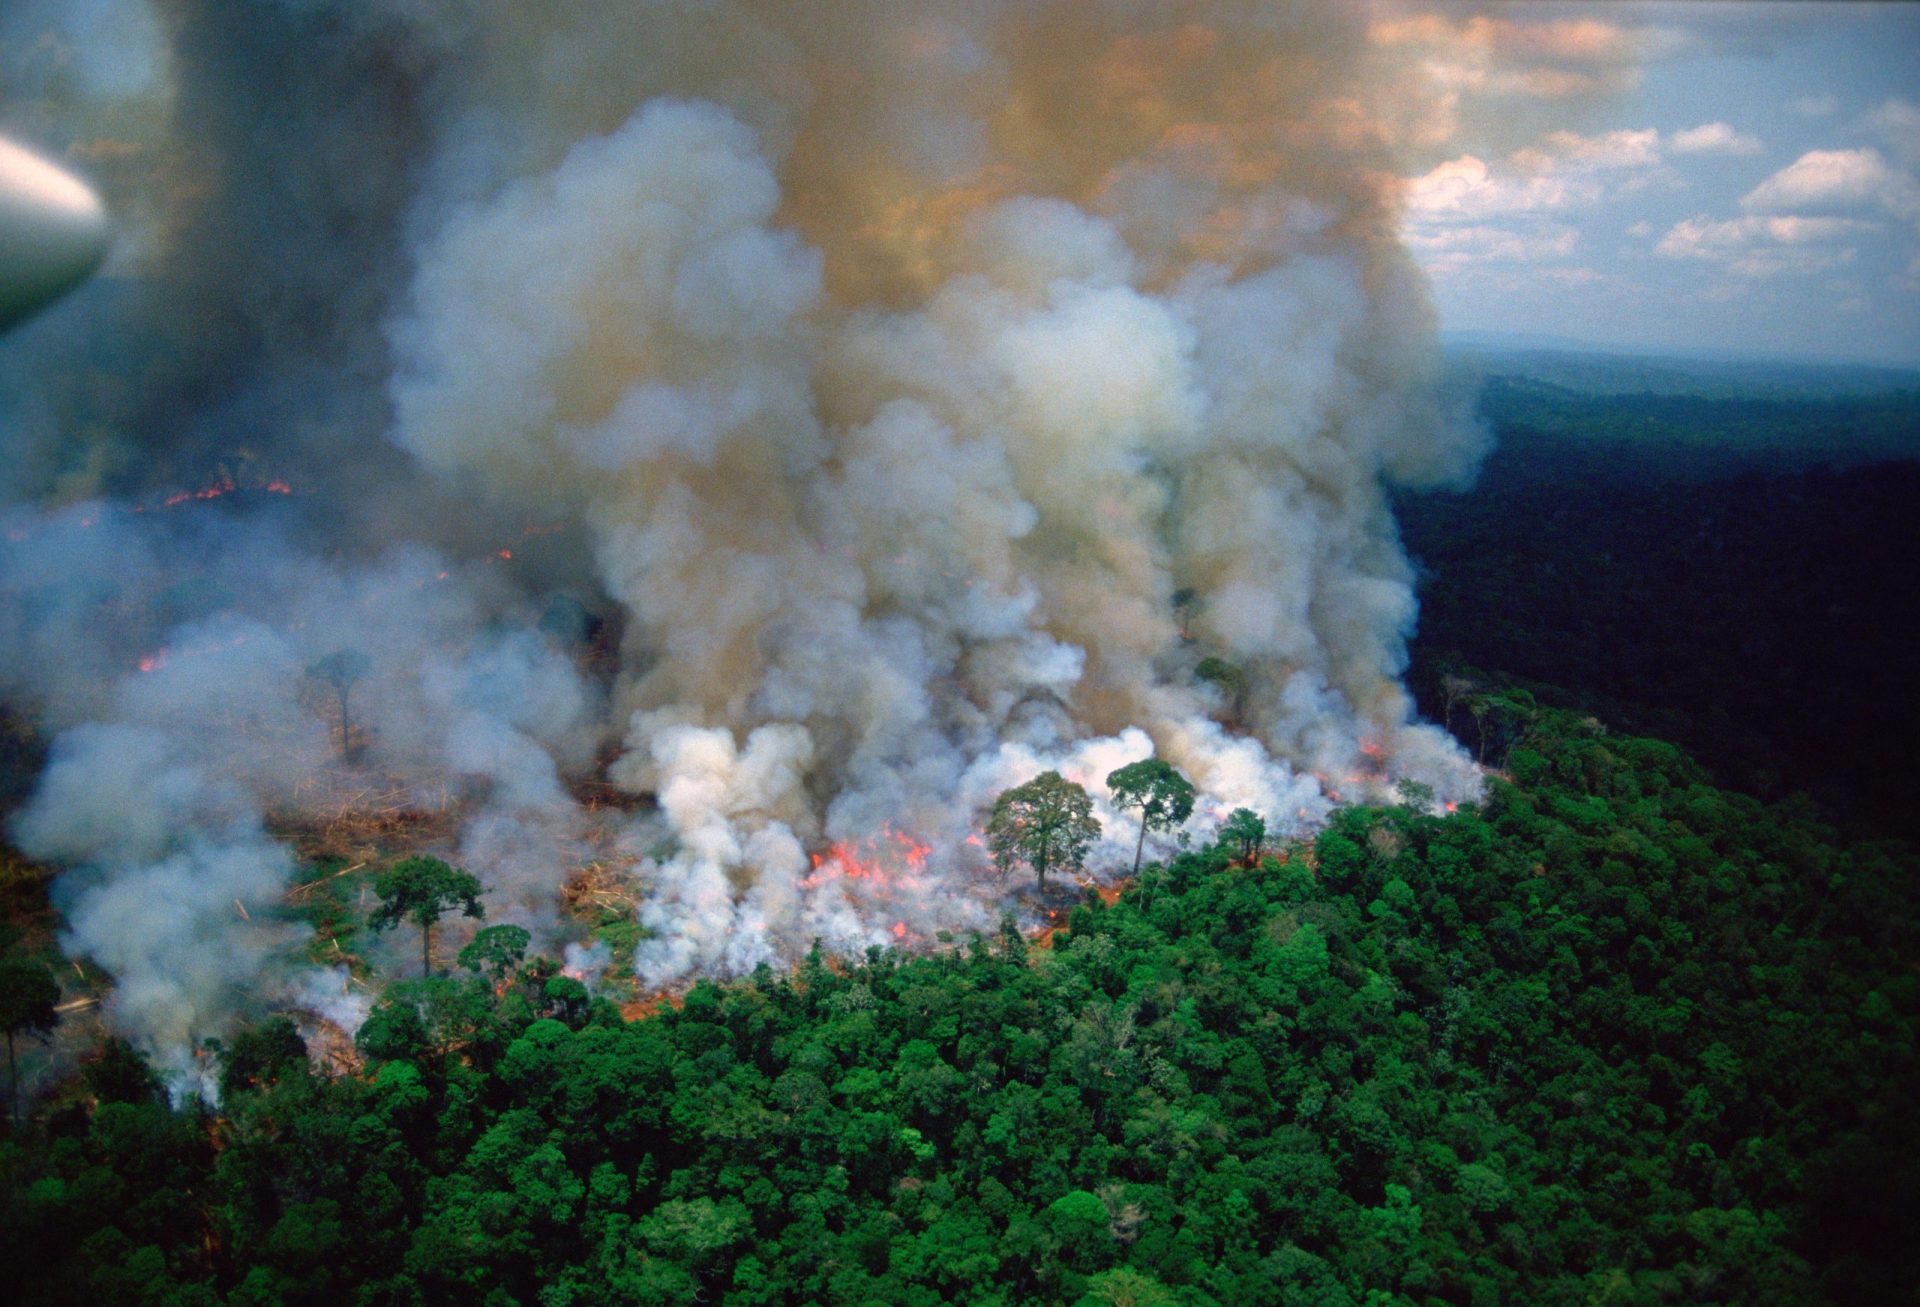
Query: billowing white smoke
[935,387]
[898,513]
[185,742]
[169,856]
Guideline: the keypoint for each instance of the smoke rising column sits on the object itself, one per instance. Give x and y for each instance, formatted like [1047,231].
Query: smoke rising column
[905,364]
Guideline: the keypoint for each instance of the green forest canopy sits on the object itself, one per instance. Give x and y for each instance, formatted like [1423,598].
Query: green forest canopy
[1617,1037]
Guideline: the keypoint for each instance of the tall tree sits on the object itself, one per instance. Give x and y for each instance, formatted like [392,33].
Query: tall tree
[1246,831]
[1163,796]
[259,1054]
[421,890]
[28,993]
[496,951]
[1454,689]
[341,669]
[1046,823]
[1183,604]
[120,1075]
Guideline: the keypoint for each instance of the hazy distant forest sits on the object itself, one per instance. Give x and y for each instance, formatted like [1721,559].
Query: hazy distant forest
[1638,1030]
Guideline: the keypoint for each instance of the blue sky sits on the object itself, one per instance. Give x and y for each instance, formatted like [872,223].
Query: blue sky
[1738,177]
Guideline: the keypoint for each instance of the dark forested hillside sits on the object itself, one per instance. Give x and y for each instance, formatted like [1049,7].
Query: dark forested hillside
[1618,1037]
[1731,427]
[1766,618]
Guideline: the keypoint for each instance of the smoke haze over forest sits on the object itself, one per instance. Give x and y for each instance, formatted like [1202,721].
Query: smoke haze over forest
[920,392]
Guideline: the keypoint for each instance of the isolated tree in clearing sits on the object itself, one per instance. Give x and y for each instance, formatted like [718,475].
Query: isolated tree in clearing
[1154,786]
[341,669]
[1245,831]
[1048,822]
[421,890]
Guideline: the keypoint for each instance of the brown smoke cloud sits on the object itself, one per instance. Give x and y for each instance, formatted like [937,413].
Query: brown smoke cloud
[900,365]
[906,363]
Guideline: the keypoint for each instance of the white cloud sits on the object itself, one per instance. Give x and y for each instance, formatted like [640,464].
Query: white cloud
[1814,106]
[1798,261]
[1563,169]
[1898,124]
[1763,246]
[1715,138]
[1448,249]
[1616,149]
[1808,216]
[1468,211]
[1836,179]
[1704,238]
[1467,188]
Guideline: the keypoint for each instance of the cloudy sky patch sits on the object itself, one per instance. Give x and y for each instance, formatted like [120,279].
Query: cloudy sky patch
[1723,178]
[1716,138]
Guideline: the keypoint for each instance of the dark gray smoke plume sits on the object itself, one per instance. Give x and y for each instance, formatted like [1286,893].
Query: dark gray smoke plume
[924,390]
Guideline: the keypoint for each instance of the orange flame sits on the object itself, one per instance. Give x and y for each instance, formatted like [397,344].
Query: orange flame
[226,485]
[882,859]
[213,491]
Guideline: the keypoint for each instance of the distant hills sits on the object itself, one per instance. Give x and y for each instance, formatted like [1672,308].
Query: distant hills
[1589,369]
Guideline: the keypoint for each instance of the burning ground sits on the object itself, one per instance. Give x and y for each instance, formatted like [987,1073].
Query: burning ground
[923,393]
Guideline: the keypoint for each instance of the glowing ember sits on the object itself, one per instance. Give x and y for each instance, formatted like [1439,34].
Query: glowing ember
[899,930]
[187,496]
[505,553]
[149,662]
[226,485]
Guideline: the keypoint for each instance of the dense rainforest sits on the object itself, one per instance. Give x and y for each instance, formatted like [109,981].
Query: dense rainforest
[1623,1034]
[1618,1036]
[1738,579]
